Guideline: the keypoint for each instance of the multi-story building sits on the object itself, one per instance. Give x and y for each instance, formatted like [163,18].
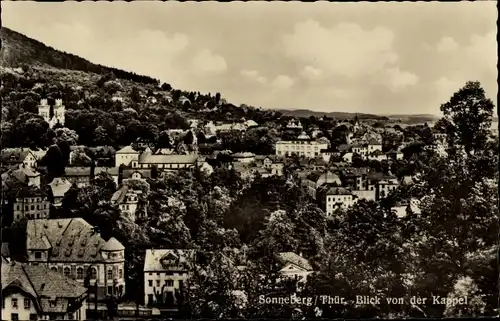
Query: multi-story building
[127,201]
[382,184]
[147,160]
[18,158]
[74,248]
[31,203]
[336,197]
[292,124]
[27,175]
[316,179]
[36,293]
[301,146]
[58,187]
[59,112]
[165,273]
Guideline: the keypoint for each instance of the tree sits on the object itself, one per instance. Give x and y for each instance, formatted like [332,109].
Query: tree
[135,95]
[469,113]
[65,134]
[189,138]
[217,98]
[166,87]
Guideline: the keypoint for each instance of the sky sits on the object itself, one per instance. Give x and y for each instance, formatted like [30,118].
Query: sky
[383,58]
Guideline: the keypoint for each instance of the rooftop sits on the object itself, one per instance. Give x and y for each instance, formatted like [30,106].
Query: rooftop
[152,261]
[290,257]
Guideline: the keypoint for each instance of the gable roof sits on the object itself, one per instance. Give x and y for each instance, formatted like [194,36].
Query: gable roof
[152,261]
[127,150]
[285,258]
[14,155]
[42,284]
[59,186]
[30,191]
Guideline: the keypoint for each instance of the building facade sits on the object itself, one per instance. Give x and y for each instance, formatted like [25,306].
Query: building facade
[59,112]
[74,248]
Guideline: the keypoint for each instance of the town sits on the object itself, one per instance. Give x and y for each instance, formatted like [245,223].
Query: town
[125,198]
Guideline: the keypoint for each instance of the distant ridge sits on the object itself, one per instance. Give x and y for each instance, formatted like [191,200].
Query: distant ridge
[18,49]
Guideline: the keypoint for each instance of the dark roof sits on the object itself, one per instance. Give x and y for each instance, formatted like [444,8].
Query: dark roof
[337,191]
[14,155]
[5,250]
[42,284]
[127,173]
[343,147]
[71,239]
[30,191]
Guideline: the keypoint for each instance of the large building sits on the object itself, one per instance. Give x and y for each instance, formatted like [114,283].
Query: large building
[31,203]
[146,159]
[165,273]
[301,146]
[36,293]
[59,112]
[75,248]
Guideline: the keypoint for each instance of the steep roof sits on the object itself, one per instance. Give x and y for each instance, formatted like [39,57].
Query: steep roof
[119,195]
[30,191]
[127,150]
[113,245]
[290,257]
[71,239]
[59,186]
[42,284]
[152,261]
[14,155]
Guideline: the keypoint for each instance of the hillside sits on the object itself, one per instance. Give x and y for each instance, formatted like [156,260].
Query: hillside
[18,49]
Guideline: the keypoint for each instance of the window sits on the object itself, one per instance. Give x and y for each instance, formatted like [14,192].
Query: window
[120,273]
[14,316]
[27,303]
[169,282]
[32,207]
[26,207]
[110,290]
[66,272]
[14,303]
[79,273]
[150,282]
[54,269]
[93,274]
[38,255]
[110,274]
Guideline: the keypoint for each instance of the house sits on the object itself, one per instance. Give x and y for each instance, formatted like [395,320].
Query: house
[59,111]
[75,248]
[250,123]
[347,157]
[377,155]
[58,187]
[136,173]
[303,145]
[78,175]
[127,200]
[165,273]
[335,197]
[245,157]
[165,162]
[395,154]
[292,124]
[125,156]
[27,175]
[31,203]
[382,184]
[293,266]
[18,157]
[271,163]
[111,171]
[316,179]
[406,206]
[36,293]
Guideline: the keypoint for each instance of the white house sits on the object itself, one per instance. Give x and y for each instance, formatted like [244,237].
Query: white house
[127,200]
[165,273]
[36,293]
[59,186]
[336,197]
[293,266]
[125,156]
[245,157]
[302,146]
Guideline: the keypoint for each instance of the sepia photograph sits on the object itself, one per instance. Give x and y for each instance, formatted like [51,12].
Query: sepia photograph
[249,160]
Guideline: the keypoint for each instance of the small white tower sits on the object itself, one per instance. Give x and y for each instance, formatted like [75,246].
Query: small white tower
[59,112]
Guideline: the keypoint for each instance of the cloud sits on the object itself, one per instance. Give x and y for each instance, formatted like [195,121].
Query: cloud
[254,75]
[342,93]
[346,49]
[283,82]
[445,88]
[207,62]
[447,44]
[157,42]
[400,79]
[311,72]
[483,50]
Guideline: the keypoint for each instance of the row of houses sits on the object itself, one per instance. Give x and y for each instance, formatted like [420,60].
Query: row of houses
[69,266]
